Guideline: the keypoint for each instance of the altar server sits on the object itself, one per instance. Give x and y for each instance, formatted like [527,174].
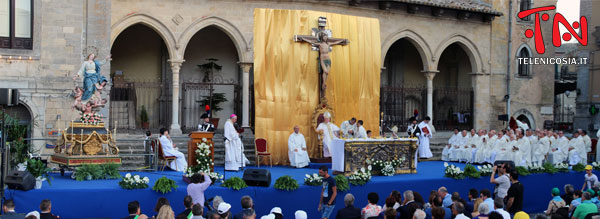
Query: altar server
[541,149]
[329,131]
[234,149]
[559,151]
[297,149]
[349,129]
[424,151]
[451,142]
[169,149]
[577,153]
[362,132]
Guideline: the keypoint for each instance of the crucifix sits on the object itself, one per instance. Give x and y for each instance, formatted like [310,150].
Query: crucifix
[320,41]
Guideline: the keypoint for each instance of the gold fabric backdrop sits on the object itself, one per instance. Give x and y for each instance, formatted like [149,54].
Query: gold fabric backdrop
[286,83]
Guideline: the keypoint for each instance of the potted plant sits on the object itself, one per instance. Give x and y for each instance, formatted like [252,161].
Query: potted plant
[144,118]
[217,100]
[39,170]
[209,69]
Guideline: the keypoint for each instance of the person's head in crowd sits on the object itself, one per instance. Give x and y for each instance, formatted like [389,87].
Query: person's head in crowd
[408,196]
[165,212]
[457,208]
[495,215]
[432,195]
[197,210]
[369,133]
[389,213]
[277,212]
[437,213]
[247,202]
[148,133]
[223,209]
[588,169]
[521,215]
[46,206]
[133,207]
[514,176]
[216,201]
[555,192]
[300,215]
[498,203]
[373,198]
[249,214]
[438,201]
[348,200]
[586,196]
[396,195]
[164,131]
[9,206]
[323,171]
[569,189]
[214,216]
[473,194]
[188,202]
[418,198]
[442,191]
[483,209]
[577,194]
[197,178]
[485,194]
[360,123]
[419,214]
[160,202]
[390,202]
[455,196]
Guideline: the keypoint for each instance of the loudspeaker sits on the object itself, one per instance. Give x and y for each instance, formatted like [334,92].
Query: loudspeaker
[22,180]
[503,117]
[9,97]
[257,177]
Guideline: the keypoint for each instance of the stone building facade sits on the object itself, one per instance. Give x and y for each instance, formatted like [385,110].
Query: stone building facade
[435,45]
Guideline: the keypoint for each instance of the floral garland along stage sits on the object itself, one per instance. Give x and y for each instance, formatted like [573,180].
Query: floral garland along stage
[452,171]
[134,182]
[204,161]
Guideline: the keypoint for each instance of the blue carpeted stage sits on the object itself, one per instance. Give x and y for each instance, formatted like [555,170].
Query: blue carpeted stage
[105,199]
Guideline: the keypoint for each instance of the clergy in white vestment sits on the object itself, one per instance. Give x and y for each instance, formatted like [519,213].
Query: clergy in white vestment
[522,154]
[491,142]
[362,132]
[169,149]
[522,125]
[485,148]
[502,147]
[448,147]
[424,151]
[541,149]
[330,131]
[457,150]
[586,140]
[349,129]
[559,151]
[297,149]
[234,149]
[577,150]
[468,148]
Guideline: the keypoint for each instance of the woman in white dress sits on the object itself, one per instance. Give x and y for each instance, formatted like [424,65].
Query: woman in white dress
[169,149]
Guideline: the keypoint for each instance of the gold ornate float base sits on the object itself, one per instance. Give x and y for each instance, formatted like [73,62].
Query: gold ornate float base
[84,143]
[357,153]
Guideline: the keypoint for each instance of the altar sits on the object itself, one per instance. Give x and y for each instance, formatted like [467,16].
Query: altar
[349,155]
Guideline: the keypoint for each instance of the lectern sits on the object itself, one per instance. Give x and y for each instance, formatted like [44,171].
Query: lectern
[196,138]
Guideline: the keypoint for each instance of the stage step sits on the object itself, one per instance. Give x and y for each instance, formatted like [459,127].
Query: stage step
[438,142]
[132,149]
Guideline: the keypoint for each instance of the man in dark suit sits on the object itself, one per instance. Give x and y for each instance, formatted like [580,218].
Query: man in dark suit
[134,211]
[247,206]
[407,210]
[349,212]
[187,203]
[46,208]
[9,210]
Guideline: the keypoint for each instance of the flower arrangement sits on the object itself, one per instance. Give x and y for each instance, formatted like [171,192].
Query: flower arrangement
[134,182]
[562,167]
[536,168]
[313,180]
[214,176]
[204,161]
[359,178]
[471,171]
[378,166]
[91,118]
[286,183]
[485,170]
[596,165]
[388,170]
[452,171]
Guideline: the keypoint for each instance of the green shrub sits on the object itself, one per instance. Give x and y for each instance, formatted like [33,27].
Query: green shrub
[110,171]
[579,167]
[164,185]
[342,183]
[522,171]
[286,183]
[235,183]
[88,172]
[471,171]
[37,168]
[549,168]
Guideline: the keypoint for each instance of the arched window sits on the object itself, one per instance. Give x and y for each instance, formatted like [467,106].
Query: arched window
[523,69]
[525,5]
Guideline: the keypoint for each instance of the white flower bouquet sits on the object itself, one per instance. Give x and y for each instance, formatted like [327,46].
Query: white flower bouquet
[134,182]
[452,171]
[214,176]
[388,170]
[536,168]
[486,169]
[313,180]
[562,167]
[596,165]
[359,178]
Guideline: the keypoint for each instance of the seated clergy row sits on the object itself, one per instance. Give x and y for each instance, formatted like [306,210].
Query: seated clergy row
[523,149]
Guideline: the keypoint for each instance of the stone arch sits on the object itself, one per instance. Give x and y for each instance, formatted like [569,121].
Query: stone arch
[526,114]
[147,20]
[415,39]
[227,27]
[467,45]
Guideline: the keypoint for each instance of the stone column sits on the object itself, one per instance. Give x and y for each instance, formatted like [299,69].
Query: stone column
[430,75]
[245,66]
[175,67]
[481,100]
